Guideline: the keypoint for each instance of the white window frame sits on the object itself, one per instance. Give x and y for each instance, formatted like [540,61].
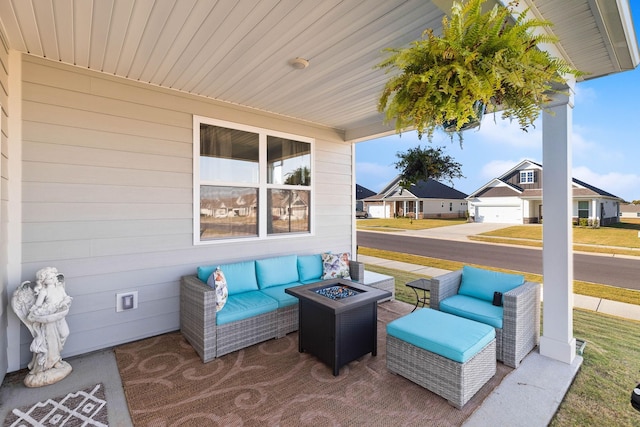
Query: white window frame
[525,174]
[262,184]
[588,209]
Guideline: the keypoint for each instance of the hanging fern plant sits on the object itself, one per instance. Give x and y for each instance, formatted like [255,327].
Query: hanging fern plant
[485,60]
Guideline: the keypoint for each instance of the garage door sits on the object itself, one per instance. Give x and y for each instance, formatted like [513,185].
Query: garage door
[499,214]
[378,211]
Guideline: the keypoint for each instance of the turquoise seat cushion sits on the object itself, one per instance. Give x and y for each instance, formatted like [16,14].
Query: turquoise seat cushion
[481,283]
[278,294]
[310,268]
[308,282]
[453,337]
[241,276]
[277,271]
[245,305]
[474,309]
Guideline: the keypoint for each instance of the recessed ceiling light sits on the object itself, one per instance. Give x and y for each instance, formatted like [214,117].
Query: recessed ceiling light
[299,63]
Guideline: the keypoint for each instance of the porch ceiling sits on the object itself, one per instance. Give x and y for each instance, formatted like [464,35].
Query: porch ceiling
[240,51]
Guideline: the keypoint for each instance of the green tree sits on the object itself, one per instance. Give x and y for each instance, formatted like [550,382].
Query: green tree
[419,164]
[636,202]
[300,176]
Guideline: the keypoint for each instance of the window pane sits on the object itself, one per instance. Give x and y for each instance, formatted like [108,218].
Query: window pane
[228,212]
[228,155]
[288,161]
[583,209]
[289,211]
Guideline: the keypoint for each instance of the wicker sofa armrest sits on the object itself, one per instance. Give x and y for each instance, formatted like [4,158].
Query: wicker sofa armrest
[198,316]
[521,322]
[444,286]
[356,271]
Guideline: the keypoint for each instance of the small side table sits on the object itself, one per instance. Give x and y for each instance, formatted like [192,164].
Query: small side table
[425,286]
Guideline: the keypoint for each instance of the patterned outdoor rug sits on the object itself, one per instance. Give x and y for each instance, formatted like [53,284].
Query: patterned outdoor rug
[86,407]
[273,384]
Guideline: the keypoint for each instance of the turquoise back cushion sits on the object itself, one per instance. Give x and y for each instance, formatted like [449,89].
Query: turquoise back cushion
[241,276]
[276,271]
[310,267]
[480,283]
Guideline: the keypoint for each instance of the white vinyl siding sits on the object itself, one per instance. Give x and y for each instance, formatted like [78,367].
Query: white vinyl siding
[4,199]
[108,197]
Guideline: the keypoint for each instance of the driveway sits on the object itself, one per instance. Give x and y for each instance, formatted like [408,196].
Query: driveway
[455,232]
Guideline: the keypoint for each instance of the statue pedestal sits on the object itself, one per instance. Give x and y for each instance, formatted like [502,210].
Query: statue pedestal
[48,377]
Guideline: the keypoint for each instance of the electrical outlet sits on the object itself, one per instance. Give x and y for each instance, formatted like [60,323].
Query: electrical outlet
[126,301]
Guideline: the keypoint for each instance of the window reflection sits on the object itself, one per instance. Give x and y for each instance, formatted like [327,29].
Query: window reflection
[289,211]
[288,162]
[228,155]
[228,212]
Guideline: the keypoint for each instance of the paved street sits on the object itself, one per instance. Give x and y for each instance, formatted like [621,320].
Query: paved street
[451,243]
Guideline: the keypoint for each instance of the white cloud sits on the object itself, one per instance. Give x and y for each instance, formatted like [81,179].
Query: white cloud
[580,144]
[584,95]
[505,132]
[624,185]
[497,168]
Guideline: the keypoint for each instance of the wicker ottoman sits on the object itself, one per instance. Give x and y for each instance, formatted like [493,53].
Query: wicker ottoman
[446,354]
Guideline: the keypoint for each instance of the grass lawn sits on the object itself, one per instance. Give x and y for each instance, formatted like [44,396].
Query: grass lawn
[601,392]
[398,224]
[621,236]
[522,235]
[579,287]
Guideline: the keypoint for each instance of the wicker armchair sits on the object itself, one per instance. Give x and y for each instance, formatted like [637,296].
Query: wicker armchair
[520,331]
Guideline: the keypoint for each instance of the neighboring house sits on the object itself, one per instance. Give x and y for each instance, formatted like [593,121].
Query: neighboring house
[425,199]
[139,140]
[516,198]
[629,210]
[362,193]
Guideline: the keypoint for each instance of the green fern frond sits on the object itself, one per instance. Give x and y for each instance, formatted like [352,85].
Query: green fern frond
[489,57]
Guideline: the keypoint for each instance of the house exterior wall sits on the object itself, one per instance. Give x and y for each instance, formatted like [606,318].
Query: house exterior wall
[4,201]
[514,179]
[596,205]
[628,210]
[107,197]
[444,208]
[431,208]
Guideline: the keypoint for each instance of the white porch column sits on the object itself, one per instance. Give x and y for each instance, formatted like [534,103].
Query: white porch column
[557,341]
[526,210]
[595,215]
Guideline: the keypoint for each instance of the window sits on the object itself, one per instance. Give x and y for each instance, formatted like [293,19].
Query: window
[583,209]
[249,182]
[527,177]
[450,206]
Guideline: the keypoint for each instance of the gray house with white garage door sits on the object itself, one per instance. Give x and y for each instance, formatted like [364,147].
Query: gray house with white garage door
[516,198]
[424,199]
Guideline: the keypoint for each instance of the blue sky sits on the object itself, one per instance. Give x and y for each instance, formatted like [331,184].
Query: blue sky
[606,142]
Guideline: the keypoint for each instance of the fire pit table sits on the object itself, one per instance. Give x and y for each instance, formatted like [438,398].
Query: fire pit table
[337,320]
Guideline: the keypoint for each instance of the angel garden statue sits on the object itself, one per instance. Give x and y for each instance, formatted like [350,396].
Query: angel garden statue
[43,308]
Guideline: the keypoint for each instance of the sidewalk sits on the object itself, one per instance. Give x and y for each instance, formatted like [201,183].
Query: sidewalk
[614,308]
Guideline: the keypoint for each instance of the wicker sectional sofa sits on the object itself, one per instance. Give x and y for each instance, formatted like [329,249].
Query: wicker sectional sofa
[257,308]
[469,293]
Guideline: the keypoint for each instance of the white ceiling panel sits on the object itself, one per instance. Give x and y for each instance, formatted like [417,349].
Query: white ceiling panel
[240,51]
